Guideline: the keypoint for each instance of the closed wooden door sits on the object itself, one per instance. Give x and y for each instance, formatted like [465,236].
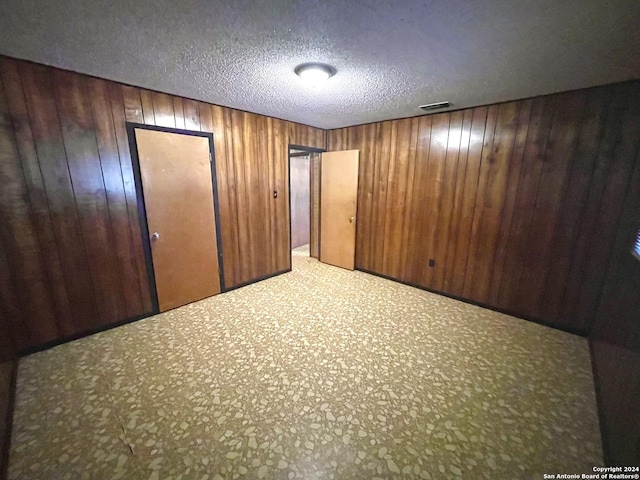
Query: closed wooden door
[338,205]
[175,170]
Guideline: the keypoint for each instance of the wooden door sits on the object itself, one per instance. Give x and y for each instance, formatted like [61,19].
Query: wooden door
[338,205]
[175,170]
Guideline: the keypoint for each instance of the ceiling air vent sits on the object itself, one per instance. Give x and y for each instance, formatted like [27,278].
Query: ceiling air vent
[429,107]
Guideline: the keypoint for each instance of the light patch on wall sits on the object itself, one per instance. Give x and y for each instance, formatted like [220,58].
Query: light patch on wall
[456,138]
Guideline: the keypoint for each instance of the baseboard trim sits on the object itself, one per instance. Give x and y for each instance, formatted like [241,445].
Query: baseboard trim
[257,279]
[479,304]
[84,333]
[103,328]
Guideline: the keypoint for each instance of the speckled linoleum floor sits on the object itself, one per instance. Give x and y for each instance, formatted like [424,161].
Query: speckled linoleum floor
[319,373]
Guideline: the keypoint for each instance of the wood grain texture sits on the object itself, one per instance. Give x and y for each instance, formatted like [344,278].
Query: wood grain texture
[517,203]
[338,207]
[7,394]
[37,198]
[71,252]
[615,337]
[83,160]
[107,144]
[185,255]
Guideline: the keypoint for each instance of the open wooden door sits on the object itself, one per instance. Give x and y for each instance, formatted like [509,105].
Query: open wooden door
[338,206]
[176,175]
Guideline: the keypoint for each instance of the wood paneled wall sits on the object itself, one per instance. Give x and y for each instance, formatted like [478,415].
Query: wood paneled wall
[71,257]
[516,203]
[7,393]
[615,339]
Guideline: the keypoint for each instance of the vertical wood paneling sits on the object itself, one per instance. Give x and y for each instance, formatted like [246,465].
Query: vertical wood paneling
[178,112]
[415,258]
[37,197]
[98,92]
[615,340]
[518,242]
[8,345]
[146,99]
[272,204]
[120,114]
[24,281]
[408,223]
[559,152]
[281,182]
[498,165]
[242,221]
[233,270]
[12,316]
[620,154]
[205,116]
[517,203]
[574,201]
[381,184]
[363,220]
[468,198]
[132,104]
[395,221]
[513,182]
[81,148]
[446,201]
[54,167]
[71,253]
[191,115]
[254,192]
[388,222]
[7,401]
[267,180]
[476,241]
[457,210]
[164,114]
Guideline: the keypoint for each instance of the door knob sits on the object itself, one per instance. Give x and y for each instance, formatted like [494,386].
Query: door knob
[155,235]
[352,219]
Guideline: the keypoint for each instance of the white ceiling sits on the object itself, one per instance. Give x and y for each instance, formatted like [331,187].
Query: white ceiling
[391,56]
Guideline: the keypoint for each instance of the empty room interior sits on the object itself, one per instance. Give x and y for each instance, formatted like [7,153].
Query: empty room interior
[319,240]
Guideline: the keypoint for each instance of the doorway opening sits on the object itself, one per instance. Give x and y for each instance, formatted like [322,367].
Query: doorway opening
[304,200]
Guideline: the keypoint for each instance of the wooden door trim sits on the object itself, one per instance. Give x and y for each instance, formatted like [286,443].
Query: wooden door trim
[308,150]
[142,211]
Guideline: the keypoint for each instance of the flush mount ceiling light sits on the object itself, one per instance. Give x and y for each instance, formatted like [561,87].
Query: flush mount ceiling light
[315,73]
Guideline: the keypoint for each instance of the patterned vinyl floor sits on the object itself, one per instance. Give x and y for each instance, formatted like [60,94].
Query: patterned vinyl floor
[320,373]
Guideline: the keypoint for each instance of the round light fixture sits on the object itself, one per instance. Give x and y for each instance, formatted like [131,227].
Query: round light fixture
[315,73]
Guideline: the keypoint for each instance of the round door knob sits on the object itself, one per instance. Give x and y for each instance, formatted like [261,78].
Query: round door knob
[155,235]
[352,219]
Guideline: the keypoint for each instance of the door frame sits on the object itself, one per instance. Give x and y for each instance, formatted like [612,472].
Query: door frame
[142,210]
[308,150]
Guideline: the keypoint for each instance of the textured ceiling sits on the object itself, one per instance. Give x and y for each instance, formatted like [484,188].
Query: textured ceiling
[391,56]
